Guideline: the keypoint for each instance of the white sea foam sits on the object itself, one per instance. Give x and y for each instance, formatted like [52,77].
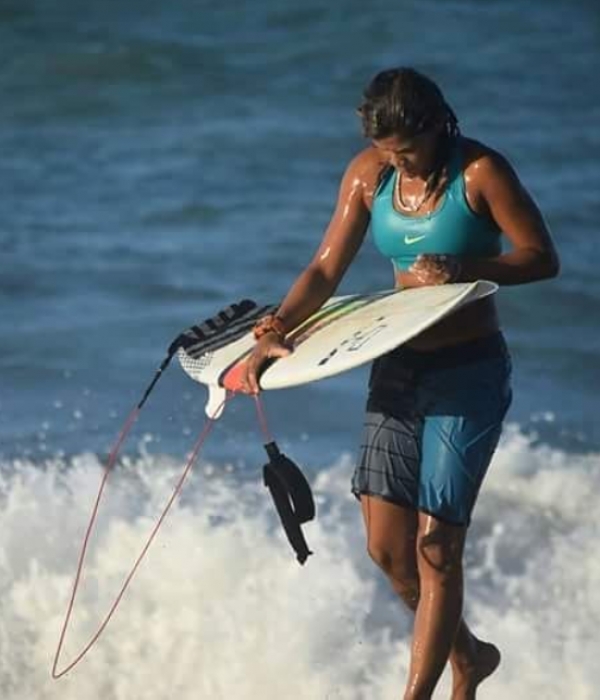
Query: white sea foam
[221,610]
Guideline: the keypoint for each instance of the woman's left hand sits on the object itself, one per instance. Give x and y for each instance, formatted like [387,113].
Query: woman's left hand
[435,269]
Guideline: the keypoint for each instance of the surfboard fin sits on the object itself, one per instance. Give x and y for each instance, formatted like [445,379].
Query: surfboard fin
[292,496]
[216,401]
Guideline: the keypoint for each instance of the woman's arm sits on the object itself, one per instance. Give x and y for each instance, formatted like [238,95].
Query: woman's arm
[341,241]
[318,281]
[533,256]
[494,190]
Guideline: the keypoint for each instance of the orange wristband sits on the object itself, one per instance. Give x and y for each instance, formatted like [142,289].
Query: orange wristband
[269,324]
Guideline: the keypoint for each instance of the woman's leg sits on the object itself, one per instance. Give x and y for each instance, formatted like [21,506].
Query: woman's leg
[392,535]
[392,544]
[440,633]
[438,615]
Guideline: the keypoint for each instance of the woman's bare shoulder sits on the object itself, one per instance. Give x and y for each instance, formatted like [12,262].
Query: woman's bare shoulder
[478,156]
[365,169]
[369,161]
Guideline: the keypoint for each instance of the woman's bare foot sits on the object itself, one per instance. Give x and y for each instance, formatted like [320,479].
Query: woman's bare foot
[469,673]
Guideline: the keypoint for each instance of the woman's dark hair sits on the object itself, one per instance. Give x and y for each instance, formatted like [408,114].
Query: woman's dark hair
[402,101]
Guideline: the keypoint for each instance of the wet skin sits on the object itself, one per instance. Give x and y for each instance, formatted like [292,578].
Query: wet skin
[492,189]
[422,556]
[484,172]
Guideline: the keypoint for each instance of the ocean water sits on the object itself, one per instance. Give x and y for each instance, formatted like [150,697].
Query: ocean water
[160,161]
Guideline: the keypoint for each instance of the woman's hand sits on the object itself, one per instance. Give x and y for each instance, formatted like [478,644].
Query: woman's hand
[268,347]
[433,270]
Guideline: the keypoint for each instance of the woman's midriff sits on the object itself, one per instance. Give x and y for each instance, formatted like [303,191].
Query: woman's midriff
[475,320]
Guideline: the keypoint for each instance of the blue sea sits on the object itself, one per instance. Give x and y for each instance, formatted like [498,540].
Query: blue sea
[162,160]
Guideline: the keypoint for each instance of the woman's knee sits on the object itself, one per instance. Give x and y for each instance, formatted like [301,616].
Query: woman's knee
[440,550]
[401,571]
[391,538]
[396,562]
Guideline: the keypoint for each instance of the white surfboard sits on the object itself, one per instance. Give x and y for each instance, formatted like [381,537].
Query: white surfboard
[345,333]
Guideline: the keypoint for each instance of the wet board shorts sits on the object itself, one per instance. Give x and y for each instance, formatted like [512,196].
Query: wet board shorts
[432,424]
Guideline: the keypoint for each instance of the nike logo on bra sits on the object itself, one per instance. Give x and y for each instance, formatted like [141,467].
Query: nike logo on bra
[409,241]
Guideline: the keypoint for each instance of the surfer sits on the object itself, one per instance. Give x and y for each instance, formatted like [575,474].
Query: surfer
[439,205]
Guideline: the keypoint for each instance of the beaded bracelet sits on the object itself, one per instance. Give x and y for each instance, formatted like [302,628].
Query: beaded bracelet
[269,324]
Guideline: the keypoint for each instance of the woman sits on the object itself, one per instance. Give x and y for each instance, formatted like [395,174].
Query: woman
[438,204]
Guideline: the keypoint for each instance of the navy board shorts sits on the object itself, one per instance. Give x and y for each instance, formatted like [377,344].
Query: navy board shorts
[433,421]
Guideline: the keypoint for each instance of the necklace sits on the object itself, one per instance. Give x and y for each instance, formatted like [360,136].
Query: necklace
[416,202]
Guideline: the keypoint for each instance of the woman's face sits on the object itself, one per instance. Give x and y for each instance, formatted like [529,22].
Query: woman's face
[415,155]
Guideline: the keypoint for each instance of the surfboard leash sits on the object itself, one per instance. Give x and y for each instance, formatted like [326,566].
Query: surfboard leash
[196,335]
[111,461]
[289,488]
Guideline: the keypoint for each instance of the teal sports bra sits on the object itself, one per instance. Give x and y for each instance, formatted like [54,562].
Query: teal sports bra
[452,228]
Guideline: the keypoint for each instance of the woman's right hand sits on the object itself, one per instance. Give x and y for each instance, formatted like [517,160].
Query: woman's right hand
[268,347]
[430,270]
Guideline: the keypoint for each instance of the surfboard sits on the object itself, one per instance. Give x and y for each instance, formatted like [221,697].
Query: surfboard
[345,332]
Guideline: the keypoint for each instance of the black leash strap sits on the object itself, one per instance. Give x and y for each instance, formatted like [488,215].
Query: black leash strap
[292,496]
